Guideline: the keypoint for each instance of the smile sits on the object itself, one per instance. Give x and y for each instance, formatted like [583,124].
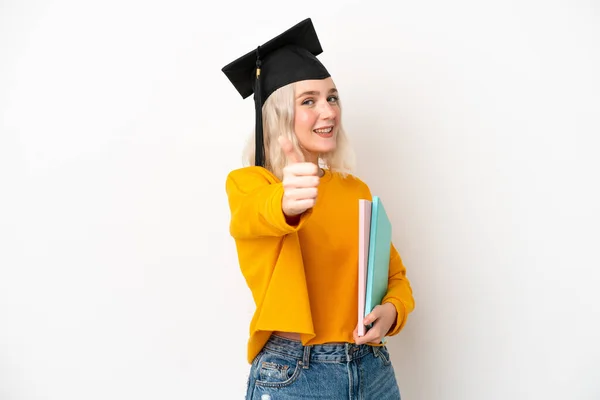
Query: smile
[325,131]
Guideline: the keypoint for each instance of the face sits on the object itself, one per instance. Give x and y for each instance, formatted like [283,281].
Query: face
[316,117]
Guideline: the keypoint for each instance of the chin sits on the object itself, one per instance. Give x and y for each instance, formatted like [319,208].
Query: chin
[323,149]
[327,147]
[321,145]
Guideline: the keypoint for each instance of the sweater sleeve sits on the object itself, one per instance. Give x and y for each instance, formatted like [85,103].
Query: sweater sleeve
[255,202]
[399,292]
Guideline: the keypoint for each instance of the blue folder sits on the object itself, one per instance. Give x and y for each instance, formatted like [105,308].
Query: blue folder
[378,265]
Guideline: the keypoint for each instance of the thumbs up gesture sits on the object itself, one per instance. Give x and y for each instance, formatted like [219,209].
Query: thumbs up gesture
[300,181]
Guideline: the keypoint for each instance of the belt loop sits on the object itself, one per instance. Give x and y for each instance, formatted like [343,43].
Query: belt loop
[348,358]
[375,350]
[306,357]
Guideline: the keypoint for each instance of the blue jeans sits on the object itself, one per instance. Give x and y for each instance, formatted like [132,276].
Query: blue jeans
[285,369]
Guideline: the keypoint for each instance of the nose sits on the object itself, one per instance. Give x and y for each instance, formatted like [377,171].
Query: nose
[327,111]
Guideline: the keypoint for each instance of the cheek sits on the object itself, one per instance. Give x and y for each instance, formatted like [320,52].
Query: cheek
[304,120]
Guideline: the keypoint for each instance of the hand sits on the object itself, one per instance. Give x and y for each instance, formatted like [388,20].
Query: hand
[300,181]
[382,317]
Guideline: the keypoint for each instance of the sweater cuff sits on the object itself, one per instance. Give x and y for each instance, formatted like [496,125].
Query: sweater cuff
[400,317]
[279,219]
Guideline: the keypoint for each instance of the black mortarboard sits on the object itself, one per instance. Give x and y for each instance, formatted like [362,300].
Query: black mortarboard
[287,58]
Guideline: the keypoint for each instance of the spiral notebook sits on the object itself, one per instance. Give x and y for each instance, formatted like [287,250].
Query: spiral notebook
[374,245]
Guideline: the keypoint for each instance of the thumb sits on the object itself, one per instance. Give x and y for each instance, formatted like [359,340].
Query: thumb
[288,148]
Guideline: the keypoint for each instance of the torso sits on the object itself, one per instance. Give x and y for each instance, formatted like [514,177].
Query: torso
[288,335]
[330,254]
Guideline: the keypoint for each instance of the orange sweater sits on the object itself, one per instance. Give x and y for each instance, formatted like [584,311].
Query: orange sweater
[304,278]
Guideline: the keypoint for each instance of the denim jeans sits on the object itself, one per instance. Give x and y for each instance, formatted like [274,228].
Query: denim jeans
[285,369]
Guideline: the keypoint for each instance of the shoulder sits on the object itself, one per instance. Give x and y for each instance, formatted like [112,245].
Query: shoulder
[249,178]
[353,181]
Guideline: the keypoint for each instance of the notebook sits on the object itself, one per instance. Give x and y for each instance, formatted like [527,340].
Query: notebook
[379,237]
[364,227]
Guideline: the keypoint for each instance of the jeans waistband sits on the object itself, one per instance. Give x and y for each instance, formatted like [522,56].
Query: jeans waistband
[332,352]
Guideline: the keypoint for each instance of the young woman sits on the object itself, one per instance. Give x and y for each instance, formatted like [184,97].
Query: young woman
[294,218]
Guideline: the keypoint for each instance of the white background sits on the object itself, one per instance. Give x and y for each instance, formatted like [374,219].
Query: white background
[477,122]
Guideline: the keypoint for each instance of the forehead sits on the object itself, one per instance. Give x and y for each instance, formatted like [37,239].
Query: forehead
[315,85]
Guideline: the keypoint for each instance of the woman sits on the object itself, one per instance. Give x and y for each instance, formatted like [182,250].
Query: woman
[294,218]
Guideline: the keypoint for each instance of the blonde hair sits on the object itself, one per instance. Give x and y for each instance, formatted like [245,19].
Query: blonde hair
[278,120]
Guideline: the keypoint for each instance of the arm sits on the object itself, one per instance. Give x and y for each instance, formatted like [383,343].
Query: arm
[390,317]
[255,198]
[399,292]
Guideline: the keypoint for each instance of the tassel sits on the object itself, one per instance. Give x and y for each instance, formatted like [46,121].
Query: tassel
[259,143]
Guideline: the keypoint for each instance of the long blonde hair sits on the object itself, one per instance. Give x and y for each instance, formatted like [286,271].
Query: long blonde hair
[278,120]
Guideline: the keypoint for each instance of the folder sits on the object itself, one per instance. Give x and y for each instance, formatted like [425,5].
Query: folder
[374,257]
[364,227]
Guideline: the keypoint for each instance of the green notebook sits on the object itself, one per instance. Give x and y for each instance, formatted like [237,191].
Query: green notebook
[378,265]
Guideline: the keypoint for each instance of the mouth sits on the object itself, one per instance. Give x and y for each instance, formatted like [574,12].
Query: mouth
[325,132]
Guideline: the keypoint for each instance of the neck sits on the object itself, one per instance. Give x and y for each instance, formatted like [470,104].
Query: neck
[321,172]
[311,157]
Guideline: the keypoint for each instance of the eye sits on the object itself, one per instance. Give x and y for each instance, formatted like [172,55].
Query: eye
[332,99]
[308,102]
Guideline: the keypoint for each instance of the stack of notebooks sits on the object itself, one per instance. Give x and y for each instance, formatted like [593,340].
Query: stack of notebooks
[374,244]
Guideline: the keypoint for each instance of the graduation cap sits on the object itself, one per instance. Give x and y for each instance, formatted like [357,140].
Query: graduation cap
[287,58]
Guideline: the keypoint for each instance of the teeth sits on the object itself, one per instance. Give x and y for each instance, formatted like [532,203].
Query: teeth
[326,130]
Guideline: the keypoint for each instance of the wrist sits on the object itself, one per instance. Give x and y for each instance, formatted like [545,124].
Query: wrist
[292,220]
[391,309]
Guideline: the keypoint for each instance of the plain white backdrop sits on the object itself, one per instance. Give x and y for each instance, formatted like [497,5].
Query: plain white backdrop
[477,122]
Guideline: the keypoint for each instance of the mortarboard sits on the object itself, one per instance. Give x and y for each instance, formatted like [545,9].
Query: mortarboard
[287,58]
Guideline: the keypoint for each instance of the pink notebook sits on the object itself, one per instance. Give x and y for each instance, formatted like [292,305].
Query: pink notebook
[364,230]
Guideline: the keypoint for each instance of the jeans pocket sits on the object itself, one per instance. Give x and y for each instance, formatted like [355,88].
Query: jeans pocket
[274,370]
[382,353]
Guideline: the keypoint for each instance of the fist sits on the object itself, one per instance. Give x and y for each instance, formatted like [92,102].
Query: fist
[300,181]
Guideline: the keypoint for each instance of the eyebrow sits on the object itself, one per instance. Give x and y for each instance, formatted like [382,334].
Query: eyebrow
[316,93]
